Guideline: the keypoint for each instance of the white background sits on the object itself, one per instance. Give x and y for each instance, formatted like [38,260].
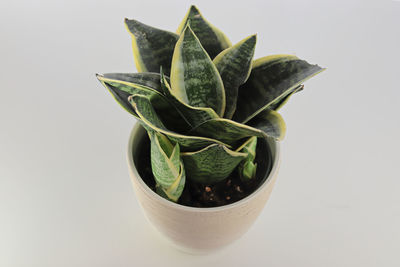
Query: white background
[65,194]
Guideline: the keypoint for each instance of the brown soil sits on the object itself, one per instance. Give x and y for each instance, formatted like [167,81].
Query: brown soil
[206,195]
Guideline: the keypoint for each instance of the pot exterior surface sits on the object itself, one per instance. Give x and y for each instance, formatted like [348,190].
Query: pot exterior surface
[200,230]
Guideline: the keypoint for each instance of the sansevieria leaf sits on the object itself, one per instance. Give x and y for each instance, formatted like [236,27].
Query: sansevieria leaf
[272,78]
[167,167]
[194,116]
[234,66]
[227,131]
[152,47]
[211,38]
[152,122]
[120,96]
[270,122]
[247,168]
[150,80]
[135,85]
[211,164]
[194,78]
[276,105]
[146,84]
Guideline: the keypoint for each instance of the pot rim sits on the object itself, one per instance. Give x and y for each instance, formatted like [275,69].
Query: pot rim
[153,195]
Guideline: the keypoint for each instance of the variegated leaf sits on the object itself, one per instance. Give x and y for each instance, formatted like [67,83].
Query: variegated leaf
[211,164]
[193,115]
[277,105]
[151,121]
[135,83]
[247,168]
[270,122]
[167,167]
[272,78]
[211,38]
[226,131]
[150,80]
[194,78]
[176,189]
[152,47]
[145,84]
[234,66]
[120,96]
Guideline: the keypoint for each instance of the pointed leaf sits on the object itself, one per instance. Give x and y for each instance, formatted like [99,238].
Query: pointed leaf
[120,96]
[148,79]
[167,167]
[175,154]
[234,66]
[211,38]
[152,47]
[211,164]
[249,147]
[277,105]
[175,190]
[193,115]
[151,121]
[226,131]
[139,83]
[272,78]
[247,168]
[271,123]
[194,78]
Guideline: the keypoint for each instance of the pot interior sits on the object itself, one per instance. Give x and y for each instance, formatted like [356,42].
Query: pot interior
[265,155]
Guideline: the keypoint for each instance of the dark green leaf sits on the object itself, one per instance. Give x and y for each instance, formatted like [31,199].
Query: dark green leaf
[270,122]
[193,115]
[152,47]
[226,131]
[152,122]
[234,66]
[277,105]
[194,78]
[211,38]
[120,96]
[211,164]
[139,83]
[148,79]
[272,78]
[133,84]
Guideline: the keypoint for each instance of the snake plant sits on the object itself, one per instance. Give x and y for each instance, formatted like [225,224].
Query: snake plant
[203,101]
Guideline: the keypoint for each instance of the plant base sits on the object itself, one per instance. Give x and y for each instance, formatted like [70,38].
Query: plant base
[211,195]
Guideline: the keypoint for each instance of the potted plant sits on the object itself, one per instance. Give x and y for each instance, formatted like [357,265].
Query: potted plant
[207,165]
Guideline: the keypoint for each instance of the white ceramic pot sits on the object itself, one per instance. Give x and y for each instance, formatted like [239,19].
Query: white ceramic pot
[199,230]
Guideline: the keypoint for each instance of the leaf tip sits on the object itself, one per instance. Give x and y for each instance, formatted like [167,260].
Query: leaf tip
[193,10]
[252,39]
[99,76]
[128,22]
[320,69]
[132,25]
